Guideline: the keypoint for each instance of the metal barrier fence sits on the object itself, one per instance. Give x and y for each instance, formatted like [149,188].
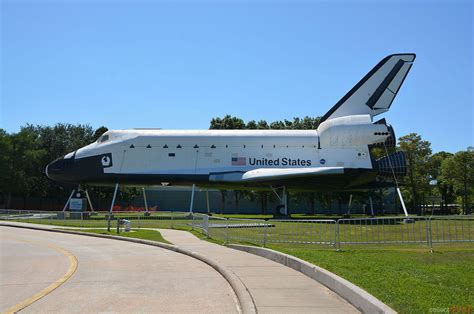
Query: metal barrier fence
[335,233]
[405,230]
[99,219]
[322,232]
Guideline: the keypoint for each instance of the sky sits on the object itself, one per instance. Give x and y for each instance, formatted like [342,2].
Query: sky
[176,65]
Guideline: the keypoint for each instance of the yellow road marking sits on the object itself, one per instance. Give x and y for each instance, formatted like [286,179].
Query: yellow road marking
[71,270]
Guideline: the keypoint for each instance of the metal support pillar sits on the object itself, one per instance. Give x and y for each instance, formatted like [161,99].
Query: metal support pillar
[207,202]
[371,206]
[192,199]
[402,202]
[112,206]
[285,201]
[144,199]
[349,205]
[283,198]
[89,200]
[68,200]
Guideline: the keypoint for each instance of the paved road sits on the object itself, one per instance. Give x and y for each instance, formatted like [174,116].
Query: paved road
[274,288]
[111,276]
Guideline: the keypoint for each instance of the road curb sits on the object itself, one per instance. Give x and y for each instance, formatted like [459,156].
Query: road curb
[355,295]
[246,305]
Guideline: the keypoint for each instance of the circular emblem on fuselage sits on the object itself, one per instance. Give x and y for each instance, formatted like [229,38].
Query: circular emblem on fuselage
[322,161]
[106,161]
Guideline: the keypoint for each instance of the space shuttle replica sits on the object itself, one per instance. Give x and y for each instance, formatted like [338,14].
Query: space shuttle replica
[335,157]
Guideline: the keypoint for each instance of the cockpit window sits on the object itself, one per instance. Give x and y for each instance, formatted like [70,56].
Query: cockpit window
[103,138]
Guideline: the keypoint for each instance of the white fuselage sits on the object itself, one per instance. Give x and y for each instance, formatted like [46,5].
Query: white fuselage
[219,151]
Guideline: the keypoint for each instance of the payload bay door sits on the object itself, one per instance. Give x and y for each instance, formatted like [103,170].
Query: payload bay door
[204,160]
[140,159]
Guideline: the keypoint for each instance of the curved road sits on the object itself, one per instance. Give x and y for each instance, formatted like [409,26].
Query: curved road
[110,276]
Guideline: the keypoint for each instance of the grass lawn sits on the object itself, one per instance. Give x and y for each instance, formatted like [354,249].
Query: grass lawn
[293,216]
[409,279]
[152,235]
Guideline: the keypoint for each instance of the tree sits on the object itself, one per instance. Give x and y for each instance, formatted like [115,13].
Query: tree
[277,125]
[262,125]
[263,197]
[459,171]
[251,125]
[5,159]
[223,199]
[417,152]
[444,188]
[24,165]
[24,156]
[227,123]
[98,133]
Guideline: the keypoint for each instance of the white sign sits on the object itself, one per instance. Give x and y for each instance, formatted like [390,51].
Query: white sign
[75,204]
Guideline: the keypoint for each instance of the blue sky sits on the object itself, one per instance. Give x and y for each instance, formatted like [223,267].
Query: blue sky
[175,65]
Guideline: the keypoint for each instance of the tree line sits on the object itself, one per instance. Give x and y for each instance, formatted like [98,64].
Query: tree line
[25,154]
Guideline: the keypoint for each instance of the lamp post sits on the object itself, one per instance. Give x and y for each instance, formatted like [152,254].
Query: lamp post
[433,183]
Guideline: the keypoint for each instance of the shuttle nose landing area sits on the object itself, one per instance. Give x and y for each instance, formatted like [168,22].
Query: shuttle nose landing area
[111,276]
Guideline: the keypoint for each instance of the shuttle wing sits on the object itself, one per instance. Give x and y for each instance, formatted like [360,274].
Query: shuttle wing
[376,91]
[271,174]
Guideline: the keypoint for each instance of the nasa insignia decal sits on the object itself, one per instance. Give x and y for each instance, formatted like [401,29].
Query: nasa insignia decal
[106,161]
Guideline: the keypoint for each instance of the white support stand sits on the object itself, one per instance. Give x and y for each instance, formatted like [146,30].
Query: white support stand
[402,202]
[68,200]
[113,198]
[207,202]
[371,206]
[283,198]
[112,206]
[144,198]
[398,189]
[285,202]
[192,199]
[349,205]
[89,200]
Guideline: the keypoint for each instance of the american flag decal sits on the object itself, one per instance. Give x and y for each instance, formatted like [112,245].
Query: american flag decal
[239,161]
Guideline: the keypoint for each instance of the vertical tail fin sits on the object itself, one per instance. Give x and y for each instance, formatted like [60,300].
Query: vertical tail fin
[376,91]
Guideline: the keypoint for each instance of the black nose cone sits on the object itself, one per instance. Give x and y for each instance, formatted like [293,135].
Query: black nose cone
[60,169]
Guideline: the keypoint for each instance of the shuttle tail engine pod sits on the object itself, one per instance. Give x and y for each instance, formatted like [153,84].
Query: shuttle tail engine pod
[391,140]
[351,131]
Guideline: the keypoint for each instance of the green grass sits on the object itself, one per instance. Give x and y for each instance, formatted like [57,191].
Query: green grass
[409,279]
[156,220]
[293,216]
[270,216]
[152,235]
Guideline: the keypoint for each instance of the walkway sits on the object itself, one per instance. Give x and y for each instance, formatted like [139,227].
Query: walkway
[274,288]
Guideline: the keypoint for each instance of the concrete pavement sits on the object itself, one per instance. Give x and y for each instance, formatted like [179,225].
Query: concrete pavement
[112,276]
[19,275]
